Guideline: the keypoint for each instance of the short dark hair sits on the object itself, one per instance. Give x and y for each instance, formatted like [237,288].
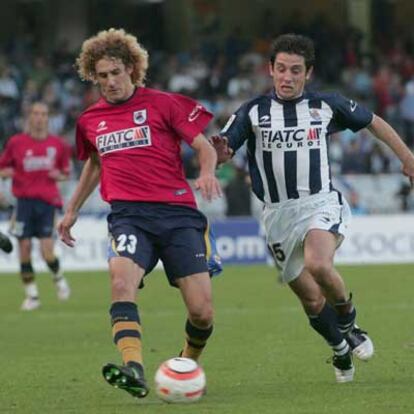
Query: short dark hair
[294,44]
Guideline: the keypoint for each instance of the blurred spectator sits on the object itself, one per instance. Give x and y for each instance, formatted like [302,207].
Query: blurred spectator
[382,80]
[354,160]
[182,82]
[8,85]
[41,72]
[238,195]
[378,160]
[356,208]
[407,113]
[358,79]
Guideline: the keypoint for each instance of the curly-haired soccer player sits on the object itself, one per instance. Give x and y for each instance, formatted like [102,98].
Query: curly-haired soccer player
[130,140]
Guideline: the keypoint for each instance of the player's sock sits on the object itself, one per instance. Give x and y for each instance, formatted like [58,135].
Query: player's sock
[195,341]
[62,286]
[358,339]
[31,290]
[54,267]
[326,324]
[31,300]
[346,322]
[28,278]
[126,331]
[346,314]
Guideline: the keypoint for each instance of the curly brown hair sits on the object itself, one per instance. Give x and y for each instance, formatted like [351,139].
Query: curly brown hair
[114,44]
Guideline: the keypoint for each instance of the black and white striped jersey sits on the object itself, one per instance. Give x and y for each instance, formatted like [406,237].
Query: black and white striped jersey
[287,141]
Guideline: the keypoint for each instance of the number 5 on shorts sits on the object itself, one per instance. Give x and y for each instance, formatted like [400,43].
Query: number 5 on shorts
[277,252]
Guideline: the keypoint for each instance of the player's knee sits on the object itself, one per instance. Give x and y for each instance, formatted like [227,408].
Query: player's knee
[202,316]
[313,304]
[120,286]
[319,269]
[25,250]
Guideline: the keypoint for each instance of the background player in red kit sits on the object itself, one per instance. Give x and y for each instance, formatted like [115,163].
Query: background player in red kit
[130,140]
[35,161]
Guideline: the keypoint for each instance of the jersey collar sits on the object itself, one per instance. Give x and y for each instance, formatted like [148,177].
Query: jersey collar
[136,88]
[284,101]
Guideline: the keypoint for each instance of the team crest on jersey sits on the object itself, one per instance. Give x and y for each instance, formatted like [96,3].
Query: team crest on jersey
[140,116]
[315,115]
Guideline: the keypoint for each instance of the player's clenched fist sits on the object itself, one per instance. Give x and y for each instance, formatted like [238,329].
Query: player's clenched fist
[220,144]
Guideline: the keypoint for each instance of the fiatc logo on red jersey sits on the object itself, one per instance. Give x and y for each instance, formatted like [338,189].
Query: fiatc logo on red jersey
[123,139]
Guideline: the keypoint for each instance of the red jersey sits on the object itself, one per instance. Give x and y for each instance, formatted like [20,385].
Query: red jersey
[32,160]
[138,142]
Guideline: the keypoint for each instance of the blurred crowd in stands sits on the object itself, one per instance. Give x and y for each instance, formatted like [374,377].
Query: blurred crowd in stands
[222,76]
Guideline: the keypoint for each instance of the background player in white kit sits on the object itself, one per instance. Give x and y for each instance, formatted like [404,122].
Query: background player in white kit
[305,218]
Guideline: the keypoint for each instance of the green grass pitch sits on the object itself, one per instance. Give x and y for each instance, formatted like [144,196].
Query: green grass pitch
[263,356]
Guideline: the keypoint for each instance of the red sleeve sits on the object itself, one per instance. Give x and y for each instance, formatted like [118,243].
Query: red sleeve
[83,146]
[188,118]
[6,157]
[64,159]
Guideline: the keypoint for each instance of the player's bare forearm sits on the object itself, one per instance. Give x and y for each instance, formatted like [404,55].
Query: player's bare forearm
[207,182]
[88,181]
[387,134]
[207,157]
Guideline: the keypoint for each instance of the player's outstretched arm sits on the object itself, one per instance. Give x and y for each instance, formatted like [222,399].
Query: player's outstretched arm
[387,134]
[88,181]
[207,182]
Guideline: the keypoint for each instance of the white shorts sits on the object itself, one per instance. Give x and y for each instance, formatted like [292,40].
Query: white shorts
[287,224]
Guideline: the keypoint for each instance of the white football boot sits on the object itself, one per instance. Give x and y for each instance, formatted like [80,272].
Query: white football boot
[30,304]
[62,289]
[360,343]
[344,367]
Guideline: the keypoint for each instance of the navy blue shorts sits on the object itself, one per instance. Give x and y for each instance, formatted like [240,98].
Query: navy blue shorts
[176,235]
[34,218]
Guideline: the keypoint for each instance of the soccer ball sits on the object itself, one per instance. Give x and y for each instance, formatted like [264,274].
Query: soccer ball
[180,380]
